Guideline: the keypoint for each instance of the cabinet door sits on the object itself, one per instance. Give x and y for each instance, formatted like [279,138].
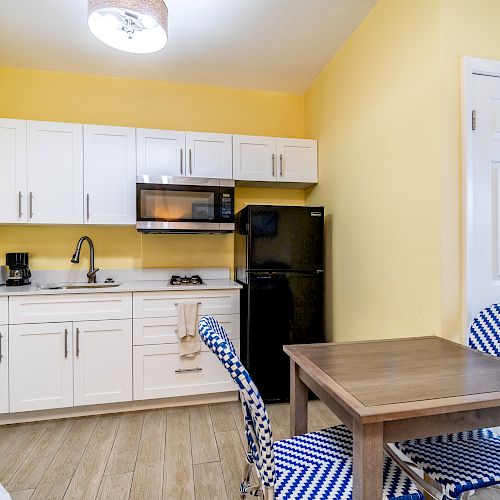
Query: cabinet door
[160,152]
[55,173]
[110,174]
[209,155]
[103,361]
[254,158]
[12,171]
[297,160]
[40,366]
[4,369]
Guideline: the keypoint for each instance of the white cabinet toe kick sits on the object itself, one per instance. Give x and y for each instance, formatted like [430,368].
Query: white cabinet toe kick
[82,354]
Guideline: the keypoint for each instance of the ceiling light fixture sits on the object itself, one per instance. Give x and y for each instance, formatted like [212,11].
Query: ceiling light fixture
[138,26]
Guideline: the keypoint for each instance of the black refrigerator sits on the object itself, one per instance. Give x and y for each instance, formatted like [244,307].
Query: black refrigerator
[279,262]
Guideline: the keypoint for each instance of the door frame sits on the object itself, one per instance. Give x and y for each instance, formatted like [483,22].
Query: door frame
[470,66]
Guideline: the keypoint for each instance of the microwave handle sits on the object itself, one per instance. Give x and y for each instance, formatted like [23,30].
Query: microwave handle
[182,154]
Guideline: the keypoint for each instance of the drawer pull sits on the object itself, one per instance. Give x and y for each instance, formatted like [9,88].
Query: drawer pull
[197,303]
[189,370]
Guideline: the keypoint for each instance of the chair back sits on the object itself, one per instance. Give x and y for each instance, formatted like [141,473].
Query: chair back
[257,425]
[485,331]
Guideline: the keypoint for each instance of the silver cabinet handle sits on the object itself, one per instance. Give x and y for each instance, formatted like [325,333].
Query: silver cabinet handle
[65,342]
[77,342]
[281,165]
[190,161]
[19,204]
[272,164]
[177,303]
[1,355]
[189,370]
[31,205]
[182,154]
[88,206]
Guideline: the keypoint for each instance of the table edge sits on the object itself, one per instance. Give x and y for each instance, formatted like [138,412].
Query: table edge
[392,411]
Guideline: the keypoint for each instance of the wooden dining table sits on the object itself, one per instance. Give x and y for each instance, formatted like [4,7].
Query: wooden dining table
[393,390]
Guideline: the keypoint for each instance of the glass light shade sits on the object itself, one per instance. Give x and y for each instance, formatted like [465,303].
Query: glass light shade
[138,26]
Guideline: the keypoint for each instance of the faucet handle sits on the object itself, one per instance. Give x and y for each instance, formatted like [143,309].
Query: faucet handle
[91,275]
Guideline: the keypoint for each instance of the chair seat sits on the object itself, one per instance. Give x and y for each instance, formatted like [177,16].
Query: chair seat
[318,466]
[459,462]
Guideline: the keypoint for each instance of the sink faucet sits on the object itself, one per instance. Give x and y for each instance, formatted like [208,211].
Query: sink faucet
[91,275]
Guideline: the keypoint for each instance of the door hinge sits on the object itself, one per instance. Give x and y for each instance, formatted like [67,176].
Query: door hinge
[474,123]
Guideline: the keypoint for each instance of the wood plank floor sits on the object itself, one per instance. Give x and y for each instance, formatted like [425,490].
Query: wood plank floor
[190,453]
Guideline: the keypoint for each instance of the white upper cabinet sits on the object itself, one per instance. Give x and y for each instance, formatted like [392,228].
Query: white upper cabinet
[109,175]
[55,172]
[161,152]
[12,171]
[274,159]
[297,160]
[254,158]
[103,361]
[209,155]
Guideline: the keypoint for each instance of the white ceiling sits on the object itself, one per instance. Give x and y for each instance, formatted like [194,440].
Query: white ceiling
[263,44]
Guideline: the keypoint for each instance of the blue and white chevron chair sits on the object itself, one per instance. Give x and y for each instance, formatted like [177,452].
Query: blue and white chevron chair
[314,466]
[460,463]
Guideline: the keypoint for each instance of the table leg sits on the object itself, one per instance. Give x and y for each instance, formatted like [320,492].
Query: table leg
[368,455]
[298,402]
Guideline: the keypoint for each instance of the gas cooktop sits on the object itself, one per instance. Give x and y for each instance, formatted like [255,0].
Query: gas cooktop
[186,280]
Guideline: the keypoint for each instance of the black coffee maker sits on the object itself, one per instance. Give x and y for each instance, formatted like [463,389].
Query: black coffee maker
[18,273]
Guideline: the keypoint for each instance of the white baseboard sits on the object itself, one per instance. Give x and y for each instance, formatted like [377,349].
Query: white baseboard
[83,411]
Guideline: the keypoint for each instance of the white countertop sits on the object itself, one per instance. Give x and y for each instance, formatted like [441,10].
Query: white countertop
[128,286]
[130,280]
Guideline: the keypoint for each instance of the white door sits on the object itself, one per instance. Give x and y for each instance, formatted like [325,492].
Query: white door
[160,152]
[55,173]
[254,158]
[13,171]
[109,174]
[209,155]
[297,160]
[4,369]
[40,366]
[103,361]
[483,194]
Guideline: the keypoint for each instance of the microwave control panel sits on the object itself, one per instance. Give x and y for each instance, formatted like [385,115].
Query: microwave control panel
[226,209]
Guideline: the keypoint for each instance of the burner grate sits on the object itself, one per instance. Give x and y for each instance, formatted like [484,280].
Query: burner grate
[186,280]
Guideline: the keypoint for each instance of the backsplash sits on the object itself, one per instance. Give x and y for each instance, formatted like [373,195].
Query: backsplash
[119,247]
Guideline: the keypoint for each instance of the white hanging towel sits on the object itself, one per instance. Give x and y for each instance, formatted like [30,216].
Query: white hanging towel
[189,340]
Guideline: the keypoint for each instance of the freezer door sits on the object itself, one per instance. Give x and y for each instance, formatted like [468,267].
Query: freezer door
[288,238]
[283,308]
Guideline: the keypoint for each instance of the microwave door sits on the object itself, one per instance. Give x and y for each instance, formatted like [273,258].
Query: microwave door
[176,205]
[179,208]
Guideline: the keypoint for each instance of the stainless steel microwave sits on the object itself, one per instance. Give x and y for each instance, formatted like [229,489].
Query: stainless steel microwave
[184,205]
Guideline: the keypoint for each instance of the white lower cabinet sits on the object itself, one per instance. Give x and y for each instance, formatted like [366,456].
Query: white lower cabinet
[40,366]
[4,369]
[102,362]
[159,372]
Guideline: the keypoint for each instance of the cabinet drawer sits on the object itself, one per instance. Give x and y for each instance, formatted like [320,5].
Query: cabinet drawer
[76,307]
[165,304]
[159,372]
[164,330]
[4,310]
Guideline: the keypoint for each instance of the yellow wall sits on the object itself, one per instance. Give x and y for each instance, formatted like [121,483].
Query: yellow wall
[375,110]
[52,96]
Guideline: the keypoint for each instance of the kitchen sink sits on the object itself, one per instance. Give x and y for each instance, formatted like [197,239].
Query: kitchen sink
[76,286]
[90,285]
